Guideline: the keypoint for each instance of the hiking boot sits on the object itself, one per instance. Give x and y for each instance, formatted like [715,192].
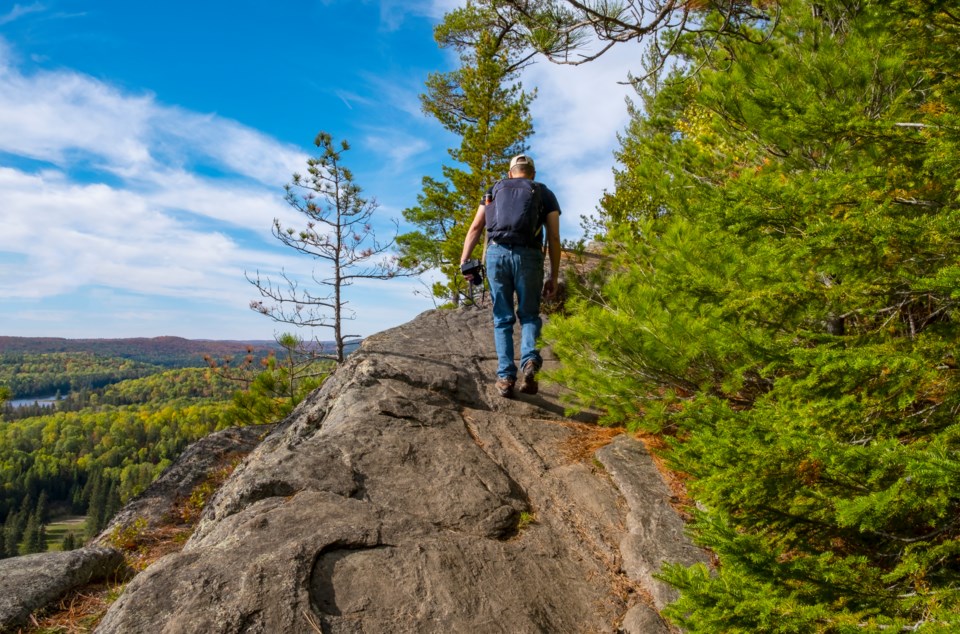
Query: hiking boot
[528,378]
[505,387]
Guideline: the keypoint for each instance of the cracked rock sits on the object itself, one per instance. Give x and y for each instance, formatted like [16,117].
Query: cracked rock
[406,496]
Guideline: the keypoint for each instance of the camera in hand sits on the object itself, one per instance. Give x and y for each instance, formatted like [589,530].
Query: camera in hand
[473,271]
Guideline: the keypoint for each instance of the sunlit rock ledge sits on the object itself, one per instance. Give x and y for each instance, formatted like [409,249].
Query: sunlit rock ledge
[405,495]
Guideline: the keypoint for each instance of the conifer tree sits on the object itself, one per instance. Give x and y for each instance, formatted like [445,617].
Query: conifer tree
[112,503]
[31,536]
[69,542]
[11,534]
[783,306]
[338,234]
[23,516]
[484,104]
[272,393]
[40,545]
[42,509]
[96,506]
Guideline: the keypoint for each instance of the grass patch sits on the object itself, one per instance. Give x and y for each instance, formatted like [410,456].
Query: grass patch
[59,528]
[525,520]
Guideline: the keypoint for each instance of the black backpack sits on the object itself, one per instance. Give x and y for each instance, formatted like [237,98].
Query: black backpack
[515,216]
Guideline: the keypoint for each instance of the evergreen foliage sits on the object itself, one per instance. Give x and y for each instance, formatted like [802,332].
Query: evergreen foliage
[484,104]
[31,536]
[94,381]
[96,449]
[69,542]
[92,459]
[270,394]
[782,303]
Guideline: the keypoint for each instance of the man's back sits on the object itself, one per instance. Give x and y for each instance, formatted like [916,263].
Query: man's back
[516,211]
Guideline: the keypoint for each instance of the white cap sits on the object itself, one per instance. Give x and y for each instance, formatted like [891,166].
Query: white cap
[522,159]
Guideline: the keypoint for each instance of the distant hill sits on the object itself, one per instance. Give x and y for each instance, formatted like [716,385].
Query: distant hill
[165,351]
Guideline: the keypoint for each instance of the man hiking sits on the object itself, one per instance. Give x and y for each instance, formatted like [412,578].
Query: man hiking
[515,213]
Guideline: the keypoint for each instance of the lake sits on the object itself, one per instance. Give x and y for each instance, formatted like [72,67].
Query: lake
[47,401]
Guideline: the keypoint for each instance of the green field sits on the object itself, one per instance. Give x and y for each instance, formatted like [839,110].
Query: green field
[58,529]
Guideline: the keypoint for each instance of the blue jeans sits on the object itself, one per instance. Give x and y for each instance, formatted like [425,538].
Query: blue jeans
[519,270]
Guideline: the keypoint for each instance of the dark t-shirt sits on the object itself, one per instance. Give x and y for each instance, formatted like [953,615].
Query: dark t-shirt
[548,201]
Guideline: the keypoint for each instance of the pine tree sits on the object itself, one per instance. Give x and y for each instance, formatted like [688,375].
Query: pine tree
[31,536]
[69,542]
[484,104]
[783,306]
[271,394]
[11,533]
[112,503]
[76,494]
[23,516]
[338,234]
[42,509]
[40,544]
[96,493]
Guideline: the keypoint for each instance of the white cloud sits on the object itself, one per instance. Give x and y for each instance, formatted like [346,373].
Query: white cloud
[74,235]
[18,11]
[50,116]
[233,147]
[377,302]
[437,8]
[238,203]
[578,113]
[393,12]
[65,118]
[350,98]
[151,224]
[402,94]
[394,147]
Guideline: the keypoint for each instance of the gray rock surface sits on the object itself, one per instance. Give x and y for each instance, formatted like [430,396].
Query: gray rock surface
[654,532]
[31,582]
[406,496]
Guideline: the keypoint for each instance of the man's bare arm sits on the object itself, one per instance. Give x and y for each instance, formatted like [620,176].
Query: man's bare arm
[474,233]
[553,249]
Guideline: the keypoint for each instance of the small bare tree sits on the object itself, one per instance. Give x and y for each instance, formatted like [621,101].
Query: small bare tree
[338,234]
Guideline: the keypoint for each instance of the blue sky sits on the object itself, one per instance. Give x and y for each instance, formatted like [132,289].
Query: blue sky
[144,148]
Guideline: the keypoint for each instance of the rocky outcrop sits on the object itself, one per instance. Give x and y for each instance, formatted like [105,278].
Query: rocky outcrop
[406,496]
[32,582]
